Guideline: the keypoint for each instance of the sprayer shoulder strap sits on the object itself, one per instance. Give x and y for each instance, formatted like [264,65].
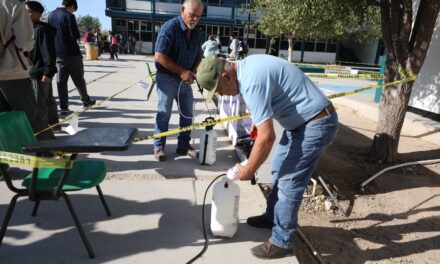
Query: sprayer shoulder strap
[5,45]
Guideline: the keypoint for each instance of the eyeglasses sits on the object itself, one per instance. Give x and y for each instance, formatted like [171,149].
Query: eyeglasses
[193,16]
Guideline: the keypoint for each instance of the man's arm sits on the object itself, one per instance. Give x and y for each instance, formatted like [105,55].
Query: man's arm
[168,63]
[73,27]
[47,50]
[260,151]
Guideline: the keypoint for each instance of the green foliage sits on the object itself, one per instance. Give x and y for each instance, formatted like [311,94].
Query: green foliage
[301,19]
[87,21]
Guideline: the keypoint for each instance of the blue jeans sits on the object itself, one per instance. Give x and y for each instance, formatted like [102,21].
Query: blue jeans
[293,163]
[167,89]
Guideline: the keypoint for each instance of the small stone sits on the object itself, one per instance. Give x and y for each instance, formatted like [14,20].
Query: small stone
[328,205]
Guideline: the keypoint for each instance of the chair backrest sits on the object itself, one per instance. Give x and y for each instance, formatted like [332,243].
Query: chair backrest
[15,131]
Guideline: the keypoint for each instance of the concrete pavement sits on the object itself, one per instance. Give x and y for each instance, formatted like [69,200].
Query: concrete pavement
[156,206]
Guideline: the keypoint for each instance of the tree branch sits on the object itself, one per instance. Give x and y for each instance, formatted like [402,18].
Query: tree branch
[395,17]
[406,25]
[385,24]
[422,33]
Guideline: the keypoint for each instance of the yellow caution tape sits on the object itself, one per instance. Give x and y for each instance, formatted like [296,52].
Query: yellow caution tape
[241,116]
[370,88]
[193,126]
[376,76]
[34,162]
[405,74]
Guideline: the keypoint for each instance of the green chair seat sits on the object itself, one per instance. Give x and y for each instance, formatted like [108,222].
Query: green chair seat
[84,174]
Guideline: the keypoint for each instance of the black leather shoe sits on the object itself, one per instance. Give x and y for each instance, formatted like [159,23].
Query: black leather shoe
[89,103]
[267,250]
[190,151]
[260,221]
[65,111]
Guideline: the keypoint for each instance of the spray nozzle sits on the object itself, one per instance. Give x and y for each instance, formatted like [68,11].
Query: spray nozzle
[211,126]
[199,88]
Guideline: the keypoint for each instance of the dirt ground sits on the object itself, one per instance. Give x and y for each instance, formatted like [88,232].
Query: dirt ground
[397,217]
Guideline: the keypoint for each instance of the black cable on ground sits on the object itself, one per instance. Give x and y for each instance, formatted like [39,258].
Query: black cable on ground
[205,246]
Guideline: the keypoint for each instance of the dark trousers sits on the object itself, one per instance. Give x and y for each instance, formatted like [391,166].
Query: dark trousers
[113,51]
[99,44]
[18,95]
[47,107]
[70,66]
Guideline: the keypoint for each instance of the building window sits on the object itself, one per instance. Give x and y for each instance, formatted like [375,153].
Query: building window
[120,22]
[133,25]
[310,46]
[214,2]
[169,1]
[251,43]
[331,47]
[320,46]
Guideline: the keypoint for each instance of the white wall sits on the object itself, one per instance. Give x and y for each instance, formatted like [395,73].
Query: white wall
[315,57]
[136,6]
[144,47]
[219,12]
[168,8]
[426,89]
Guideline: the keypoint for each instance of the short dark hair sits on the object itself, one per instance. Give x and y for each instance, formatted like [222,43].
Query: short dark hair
[71,3]
[35,6]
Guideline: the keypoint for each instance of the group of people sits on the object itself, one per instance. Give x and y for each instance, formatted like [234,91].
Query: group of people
[117,44]
[34,52]
[93,38]
[273,90]
[237,48]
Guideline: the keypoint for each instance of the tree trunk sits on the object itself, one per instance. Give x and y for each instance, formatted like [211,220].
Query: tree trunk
[290,48]
[406,49]
[392,111]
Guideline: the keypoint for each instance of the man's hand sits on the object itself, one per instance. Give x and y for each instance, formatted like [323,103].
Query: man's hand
[46,79]
[244,173]
[188,76]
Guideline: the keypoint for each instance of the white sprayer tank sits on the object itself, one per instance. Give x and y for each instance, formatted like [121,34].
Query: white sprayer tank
[224,208]
[208,147]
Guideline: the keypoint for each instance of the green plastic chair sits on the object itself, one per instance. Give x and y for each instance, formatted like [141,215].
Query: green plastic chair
[152,75]
[46,183]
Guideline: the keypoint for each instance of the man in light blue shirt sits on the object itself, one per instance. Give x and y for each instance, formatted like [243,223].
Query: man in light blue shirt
[274,89]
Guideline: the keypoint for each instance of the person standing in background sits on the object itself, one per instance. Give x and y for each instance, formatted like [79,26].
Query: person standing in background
[210,47]
[98,38]
[131,43]
[44,67]
[233,47]
[113,40]
[69,58]
[17,36]
[178,53]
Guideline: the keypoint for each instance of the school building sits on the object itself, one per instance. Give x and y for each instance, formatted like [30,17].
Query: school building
[220,17]
[143,18]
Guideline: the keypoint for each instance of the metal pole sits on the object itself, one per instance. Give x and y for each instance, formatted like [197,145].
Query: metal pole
[332,196]
[248,22]
[314,252]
